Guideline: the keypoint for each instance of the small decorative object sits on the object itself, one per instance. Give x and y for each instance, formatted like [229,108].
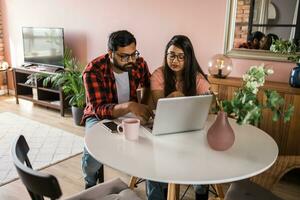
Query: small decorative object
[295,76]
[294,80]
[220,135]
[220,66]
[245,107]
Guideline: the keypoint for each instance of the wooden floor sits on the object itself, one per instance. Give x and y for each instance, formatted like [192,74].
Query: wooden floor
[69,172]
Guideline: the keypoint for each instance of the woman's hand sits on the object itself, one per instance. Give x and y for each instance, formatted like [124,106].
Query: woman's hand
[176,94]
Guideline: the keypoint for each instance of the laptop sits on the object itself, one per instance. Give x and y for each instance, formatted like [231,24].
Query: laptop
[180,114]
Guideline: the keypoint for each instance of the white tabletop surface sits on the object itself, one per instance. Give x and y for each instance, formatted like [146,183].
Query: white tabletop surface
[184,158]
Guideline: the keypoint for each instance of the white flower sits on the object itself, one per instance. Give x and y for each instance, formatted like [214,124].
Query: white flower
[270,71]
[245,77]
[254,91]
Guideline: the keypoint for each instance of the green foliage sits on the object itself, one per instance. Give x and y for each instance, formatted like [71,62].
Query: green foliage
[245,107]
[73,88]
[70,80]
[283,46]
[286,47]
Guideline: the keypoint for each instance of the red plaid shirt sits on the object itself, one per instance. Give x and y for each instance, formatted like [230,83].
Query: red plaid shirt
[101,89]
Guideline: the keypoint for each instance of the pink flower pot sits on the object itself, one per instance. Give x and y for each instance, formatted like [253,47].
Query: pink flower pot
[220,135]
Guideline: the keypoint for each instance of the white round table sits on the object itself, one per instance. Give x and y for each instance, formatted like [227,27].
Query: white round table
[184,158]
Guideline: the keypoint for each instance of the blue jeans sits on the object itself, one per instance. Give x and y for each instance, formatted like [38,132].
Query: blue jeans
[90,165]
[157,190]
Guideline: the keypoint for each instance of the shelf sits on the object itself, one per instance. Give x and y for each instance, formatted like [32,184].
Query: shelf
[48,97]
[49,90]
[46,103]
[26,85]
[28,97]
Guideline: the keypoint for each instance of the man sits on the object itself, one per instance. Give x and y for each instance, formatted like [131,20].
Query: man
[253,40]
[111,81]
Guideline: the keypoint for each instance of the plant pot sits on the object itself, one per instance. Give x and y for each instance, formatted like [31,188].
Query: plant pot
[77,114]
[295,76]
[220,135]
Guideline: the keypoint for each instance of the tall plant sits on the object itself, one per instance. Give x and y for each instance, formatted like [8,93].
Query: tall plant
[70,80]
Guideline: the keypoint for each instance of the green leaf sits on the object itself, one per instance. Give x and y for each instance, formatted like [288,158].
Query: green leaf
[288,113]
[276,116]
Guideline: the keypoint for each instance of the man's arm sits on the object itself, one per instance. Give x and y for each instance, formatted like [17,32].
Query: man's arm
[96,95]
[144,112]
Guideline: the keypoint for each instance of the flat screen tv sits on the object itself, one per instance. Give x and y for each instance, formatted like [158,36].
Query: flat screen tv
[43,46]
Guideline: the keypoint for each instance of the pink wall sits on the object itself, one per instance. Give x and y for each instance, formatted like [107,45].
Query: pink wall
[87,25]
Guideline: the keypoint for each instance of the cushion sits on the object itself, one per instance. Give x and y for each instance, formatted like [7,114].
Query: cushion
[127,194]
[248,190]
[114,189]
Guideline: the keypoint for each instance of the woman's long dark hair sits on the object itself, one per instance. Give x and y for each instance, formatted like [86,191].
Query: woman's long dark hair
[190,71]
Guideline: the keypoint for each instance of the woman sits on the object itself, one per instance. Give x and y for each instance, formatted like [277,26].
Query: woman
[180,75]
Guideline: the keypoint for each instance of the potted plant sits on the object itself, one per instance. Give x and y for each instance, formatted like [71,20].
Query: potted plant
[71,83]
[245,106]
[289,48]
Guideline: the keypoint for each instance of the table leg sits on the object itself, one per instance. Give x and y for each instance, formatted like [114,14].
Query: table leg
[132,182]
[173,191]
[177,187]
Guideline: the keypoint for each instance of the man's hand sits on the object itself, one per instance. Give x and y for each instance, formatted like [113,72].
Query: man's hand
[176,94]
[142,111]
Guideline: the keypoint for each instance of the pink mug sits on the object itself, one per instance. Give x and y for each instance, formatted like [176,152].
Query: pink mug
[131,127]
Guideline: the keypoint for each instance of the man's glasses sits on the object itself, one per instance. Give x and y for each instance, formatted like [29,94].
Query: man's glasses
[172,56]
[126,57]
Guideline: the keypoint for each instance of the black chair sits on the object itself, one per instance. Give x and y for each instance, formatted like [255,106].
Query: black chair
[40,185]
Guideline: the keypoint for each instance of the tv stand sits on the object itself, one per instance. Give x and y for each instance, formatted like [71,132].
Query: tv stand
[35,91]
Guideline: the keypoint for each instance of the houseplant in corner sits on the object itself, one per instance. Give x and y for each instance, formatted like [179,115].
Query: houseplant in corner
[246,108]
[70,81]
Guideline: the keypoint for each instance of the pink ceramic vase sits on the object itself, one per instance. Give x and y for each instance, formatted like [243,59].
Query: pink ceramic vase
[220,135]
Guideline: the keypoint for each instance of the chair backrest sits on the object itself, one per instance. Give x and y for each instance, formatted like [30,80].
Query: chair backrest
[38,184]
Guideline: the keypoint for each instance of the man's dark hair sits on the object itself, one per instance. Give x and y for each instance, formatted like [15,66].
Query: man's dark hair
[255,35]
[191,67]
[121,38]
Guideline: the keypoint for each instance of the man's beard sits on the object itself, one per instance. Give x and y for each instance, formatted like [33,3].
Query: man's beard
[126,67]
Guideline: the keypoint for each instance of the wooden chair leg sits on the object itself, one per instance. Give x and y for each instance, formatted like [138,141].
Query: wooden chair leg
[132,182]
[173,191]
[220,191]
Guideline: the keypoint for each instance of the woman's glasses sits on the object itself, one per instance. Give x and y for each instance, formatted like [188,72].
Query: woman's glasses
[126,57]
[172,56]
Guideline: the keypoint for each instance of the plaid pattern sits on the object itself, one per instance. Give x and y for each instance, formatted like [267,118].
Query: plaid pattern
[101,89]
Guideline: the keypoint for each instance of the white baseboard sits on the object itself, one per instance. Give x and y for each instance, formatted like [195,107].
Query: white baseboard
[4,91]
